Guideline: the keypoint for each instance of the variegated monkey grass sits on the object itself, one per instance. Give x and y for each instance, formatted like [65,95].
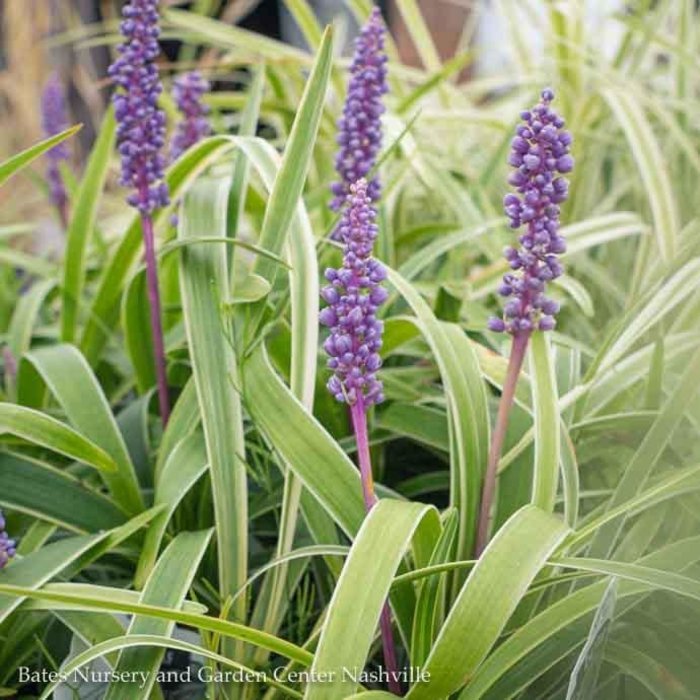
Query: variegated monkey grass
[355,290]
[141,137]
[353,296]
[539,154]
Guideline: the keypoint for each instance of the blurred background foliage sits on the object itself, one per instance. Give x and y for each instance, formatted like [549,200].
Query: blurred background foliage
[625,354]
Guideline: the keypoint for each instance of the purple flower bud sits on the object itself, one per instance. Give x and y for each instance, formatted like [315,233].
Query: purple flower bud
[141,125]
[496,324]
[565,164]
[353,297]
[531,162]
[329,294]
[513,308]
[546,323]
[188,90]
[54,121]
[378,296]
[360,129]
[549,307]
[327,317]
[8,547]
[546,153]
[558,245]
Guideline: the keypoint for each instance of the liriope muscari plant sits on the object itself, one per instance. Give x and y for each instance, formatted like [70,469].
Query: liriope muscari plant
[54,121]
[141,137]
[7,546]
[360,128]
[355,289]
[540,155]
[353,296]
[188,91]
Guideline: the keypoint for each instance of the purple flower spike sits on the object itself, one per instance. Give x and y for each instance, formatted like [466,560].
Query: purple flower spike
[141,125]
[188,90]
[539,154]
[54,121]
[360,126]
[140,138]
[7,546]
[353,296]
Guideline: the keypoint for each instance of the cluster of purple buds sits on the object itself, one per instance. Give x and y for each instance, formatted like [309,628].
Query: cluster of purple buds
[188,90]
[7,546]
[360,129]
[141,125]
[54,121]
[539,154]
[353,296]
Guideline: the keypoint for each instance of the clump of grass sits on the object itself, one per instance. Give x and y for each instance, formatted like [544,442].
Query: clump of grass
[244,517]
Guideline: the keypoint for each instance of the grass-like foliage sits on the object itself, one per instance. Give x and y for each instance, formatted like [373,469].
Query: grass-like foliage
[242,518]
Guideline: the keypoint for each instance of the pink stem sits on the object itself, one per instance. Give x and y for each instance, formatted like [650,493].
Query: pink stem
[515,363]
[358,414]
[10,365]
[156,325]
[389,650]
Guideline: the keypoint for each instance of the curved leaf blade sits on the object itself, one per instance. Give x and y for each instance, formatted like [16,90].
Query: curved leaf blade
[359,596]
[9,167]
[488,598]
[203,284]
[68,376]
[46,493]
[41,429]
[166,587]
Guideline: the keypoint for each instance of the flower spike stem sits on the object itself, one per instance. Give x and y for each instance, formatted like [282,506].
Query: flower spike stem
[389,650]
[540,155]
[515,364]
[353,296]
[358,414]
[156,324]
[140,139]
